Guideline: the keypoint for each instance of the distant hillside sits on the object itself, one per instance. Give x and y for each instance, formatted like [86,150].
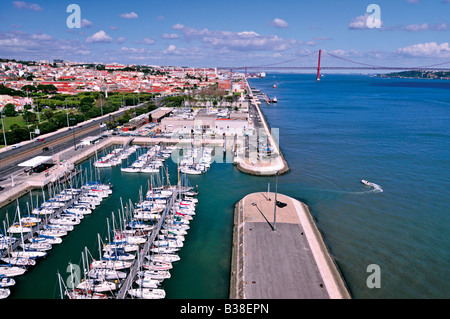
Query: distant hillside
[418,74]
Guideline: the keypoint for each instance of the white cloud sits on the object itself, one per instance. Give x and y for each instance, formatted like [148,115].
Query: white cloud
[279,23]
[39,46]
[131,15]
[427,27]
[133,50]
[178,26]
[148,41]
[121,40]
[170,36]
[241,41]
[99,37]
[85,23]
[360,22]
[41,36]
[26,5]
[429,49]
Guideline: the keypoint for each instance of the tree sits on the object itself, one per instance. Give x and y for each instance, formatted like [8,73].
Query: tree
[10,110]
[29,88]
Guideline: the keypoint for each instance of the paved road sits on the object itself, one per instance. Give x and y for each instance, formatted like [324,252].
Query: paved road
[56,142]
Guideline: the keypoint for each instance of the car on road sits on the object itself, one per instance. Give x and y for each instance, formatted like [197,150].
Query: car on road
[45,149]
[41,140]
[16,146]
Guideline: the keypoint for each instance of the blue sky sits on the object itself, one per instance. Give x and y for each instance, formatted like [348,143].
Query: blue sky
[227,33]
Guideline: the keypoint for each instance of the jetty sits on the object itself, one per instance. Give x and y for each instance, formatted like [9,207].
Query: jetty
[261,155]
[279,253]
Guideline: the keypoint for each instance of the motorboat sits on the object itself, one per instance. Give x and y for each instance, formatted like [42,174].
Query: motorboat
[367,183]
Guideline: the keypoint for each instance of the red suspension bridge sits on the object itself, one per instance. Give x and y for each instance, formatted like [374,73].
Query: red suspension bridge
[445,66]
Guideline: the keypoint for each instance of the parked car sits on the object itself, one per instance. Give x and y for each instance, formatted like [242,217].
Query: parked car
[45,149]
[40,140]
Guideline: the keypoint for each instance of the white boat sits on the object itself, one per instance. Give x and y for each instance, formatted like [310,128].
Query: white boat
[111,264]
[370,184]
[171,237]
[128,248]
[118,255]
[28,254]
[79,210]
[45,240]
[52,232]
[133,240]
[19,261]
[190,171]
[366,182]
[130,170]
[164,250]
[149,169]
[168,243]
[4,293]
[155,274]
[6,282]
[17,229]
[144,216]
[59,227]
[147,293]
[146,282]
[156,265]
[30,220]
[164,258]
[71,221]
[11,271]
[97,285]
[84,294]
[37,246]
[106,274]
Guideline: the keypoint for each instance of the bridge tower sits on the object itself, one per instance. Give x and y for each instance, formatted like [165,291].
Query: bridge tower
[318,66]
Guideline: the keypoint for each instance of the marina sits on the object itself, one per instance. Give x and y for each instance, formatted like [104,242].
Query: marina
[210,236]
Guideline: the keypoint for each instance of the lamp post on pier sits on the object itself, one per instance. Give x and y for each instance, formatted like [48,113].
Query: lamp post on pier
[275,207]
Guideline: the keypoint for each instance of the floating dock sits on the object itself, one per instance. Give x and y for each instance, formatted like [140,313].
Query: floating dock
[286,259]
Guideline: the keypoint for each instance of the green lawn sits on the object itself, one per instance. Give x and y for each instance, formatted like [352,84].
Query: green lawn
[8,121]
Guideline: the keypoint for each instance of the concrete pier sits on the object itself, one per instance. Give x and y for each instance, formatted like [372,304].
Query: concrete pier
[254,164]
[283,260]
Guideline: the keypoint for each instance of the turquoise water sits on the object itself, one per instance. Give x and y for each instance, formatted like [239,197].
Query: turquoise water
[393,132]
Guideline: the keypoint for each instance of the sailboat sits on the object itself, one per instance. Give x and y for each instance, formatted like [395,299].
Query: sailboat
[6,281]
[4,293]
[11,271]
[147,293]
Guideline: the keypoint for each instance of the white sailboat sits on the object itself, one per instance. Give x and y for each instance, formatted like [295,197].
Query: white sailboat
[11,271]
[4,293]
[147,293]
[6,282]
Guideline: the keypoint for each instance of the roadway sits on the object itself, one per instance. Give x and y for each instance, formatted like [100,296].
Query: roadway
[55,141]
